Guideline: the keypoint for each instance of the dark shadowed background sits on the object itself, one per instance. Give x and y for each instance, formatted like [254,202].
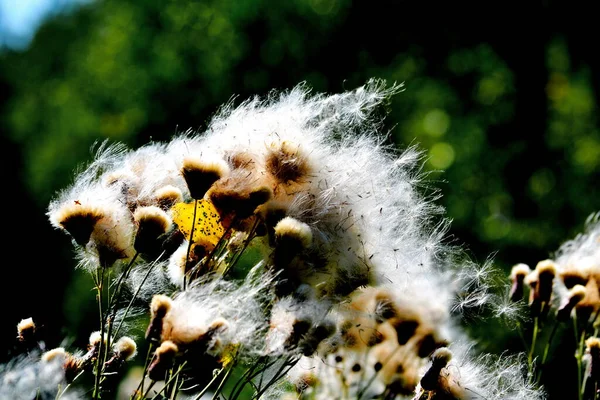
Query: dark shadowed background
[502,98]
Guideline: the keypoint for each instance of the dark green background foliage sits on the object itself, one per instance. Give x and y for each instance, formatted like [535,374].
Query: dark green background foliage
[503,101]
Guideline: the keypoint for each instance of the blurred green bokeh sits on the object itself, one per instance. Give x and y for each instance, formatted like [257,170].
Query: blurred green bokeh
[506,114]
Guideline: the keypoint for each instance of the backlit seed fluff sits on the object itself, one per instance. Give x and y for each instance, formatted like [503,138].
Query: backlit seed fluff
[78,220]
[159,307]
[294,233]
[517,276]
[439,359]
[54,354]
[125,348]
[162,361]
[25,329]
[200,174]
[286,163]
[167,196]
[593,352]
[95,338]
[152,222]
[576,295]
[546,270]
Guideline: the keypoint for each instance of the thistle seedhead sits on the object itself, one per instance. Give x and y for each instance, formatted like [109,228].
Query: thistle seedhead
[575,296]
[167,196]
[517,276]
[162,360]
[432,380]
[78,220]
[25,330]
[201,174]
[159,307]
[152,222]
[286,163]
[125,348]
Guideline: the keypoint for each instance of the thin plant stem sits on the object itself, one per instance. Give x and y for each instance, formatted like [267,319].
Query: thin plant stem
[222,383]
[245,246]
[546,350]
[140,388]
[533,343]
[283,370]
[173,377]
[98,368]
[189,249]
[579,339]
[137,292]
[208,385]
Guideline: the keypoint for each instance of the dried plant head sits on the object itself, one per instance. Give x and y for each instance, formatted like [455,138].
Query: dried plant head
[163,359]
[152,222]
[53,354]
[201,173]
[167,196]
[517,276]
[576,294]
[159,307]
[26,330]
[238,197]
[125,348]
[78,220]
[286,163]
[95,338]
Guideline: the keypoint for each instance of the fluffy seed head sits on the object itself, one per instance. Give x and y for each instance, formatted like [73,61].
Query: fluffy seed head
[286,163]
[78,220]
[152,222]
[125,348]
[575,296]
[200,174]
[296,234]
[167,196]
[54,354]
[95,338]
[25,329]
[162,361]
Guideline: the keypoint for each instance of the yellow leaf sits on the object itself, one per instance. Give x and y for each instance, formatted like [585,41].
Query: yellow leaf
[207,226]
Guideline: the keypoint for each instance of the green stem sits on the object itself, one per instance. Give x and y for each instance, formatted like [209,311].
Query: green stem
[189,249]
[208,385]
[137,292]
[173,377]
[98,368]
[533,343]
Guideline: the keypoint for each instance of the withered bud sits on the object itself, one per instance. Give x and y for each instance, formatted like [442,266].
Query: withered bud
[573,276]
[291,238]
[287,163]
[95,338]
[125,348]
[167,196]
[72,365]
[58,353]
[546,272]
[315,335]
[200,174]
[78,220]
[592,345]
[236,199]
[439,359]
[162,360]
[576,295]
[152,222]
[159,307]
[517,276]
[26,330]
